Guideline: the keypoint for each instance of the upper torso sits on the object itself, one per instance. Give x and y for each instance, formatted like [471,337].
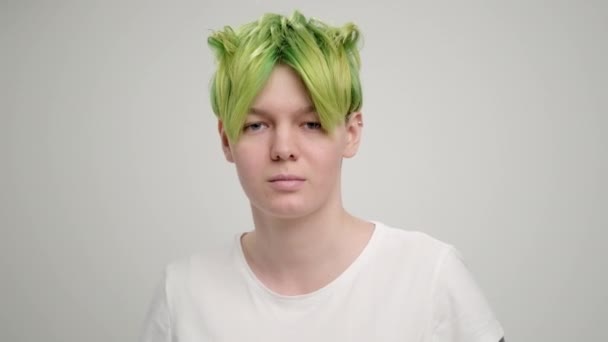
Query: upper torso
[392,292]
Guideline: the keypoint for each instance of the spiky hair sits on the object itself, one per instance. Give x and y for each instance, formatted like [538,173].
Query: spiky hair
[325,57]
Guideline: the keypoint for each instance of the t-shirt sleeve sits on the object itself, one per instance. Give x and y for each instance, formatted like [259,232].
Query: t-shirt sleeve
[157,324]
[461,313]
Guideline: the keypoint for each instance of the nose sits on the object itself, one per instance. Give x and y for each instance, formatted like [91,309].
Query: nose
[284,145]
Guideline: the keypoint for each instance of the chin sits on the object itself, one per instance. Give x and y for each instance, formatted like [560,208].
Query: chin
[285,210]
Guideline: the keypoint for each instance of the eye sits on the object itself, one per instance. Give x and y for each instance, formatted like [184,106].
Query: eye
[313,125]
[254,127]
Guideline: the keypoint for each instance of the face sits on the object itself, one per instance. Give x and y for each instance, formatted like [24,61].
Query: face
[287,164]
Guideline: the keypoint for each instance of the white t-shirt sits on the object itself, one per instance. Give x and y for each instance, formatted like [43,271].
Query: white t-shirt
[404,286]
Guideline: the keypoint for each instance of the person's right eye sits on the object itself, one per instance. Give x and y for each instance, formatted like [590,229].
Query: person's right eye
[254,126]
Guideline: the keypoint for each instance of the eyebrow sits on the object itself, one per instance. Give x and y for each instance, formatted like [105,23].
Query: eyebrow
[262,112]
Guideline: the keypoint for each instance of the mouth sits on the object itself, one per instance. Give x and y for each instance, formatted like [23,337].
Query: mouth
[286,178]
[287,183]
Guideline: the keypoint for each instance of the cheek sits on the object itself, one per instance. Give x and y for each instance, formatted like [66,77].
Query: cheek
[327,157]
[249,163]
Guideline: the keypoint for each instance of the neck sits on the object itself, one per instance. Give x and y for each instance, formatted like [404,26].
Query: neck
[294,256]
[292,242]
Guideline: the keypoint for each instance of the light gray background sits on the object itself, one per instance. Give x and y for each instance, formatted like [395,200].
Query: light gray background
[485,127]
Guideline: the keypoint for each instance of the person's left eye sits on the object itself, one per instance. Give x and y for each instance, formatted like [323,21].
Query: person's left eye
[313,125]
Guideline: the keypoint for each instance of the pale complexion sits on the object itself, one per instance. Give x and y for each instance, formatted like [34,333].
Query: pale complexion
[290,169]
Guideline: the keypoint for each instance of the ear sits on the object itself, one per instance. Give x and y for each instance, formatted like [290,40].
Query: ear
[354,130]
[225,142]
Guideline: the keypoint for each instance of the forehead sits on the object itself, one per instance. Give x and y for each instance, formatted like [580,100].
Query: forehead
[284,91]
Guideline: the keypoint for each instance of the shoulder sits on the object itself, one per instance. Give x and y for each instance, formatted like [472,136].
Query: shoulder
[409,257]
[413,245]
[460,311]
[444,261]
[409,237]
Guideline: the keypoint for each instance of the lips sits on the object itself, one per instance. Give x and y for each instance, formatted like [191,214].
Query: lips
[286,182]
[285,177]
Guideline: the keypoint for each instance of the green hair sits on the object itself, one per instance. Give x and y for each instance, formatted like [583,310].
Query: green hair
[325,57]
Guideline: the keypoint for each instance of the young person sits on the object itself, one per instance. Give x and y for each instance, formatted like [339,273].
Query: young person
[288,98]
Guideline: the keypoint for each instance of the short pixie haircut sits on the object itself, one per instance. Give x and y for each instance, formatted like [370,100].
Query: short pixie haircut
[325,57]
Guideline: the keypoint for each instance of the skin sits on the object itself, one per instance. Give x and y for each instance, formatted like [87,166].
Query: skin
[303,237]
